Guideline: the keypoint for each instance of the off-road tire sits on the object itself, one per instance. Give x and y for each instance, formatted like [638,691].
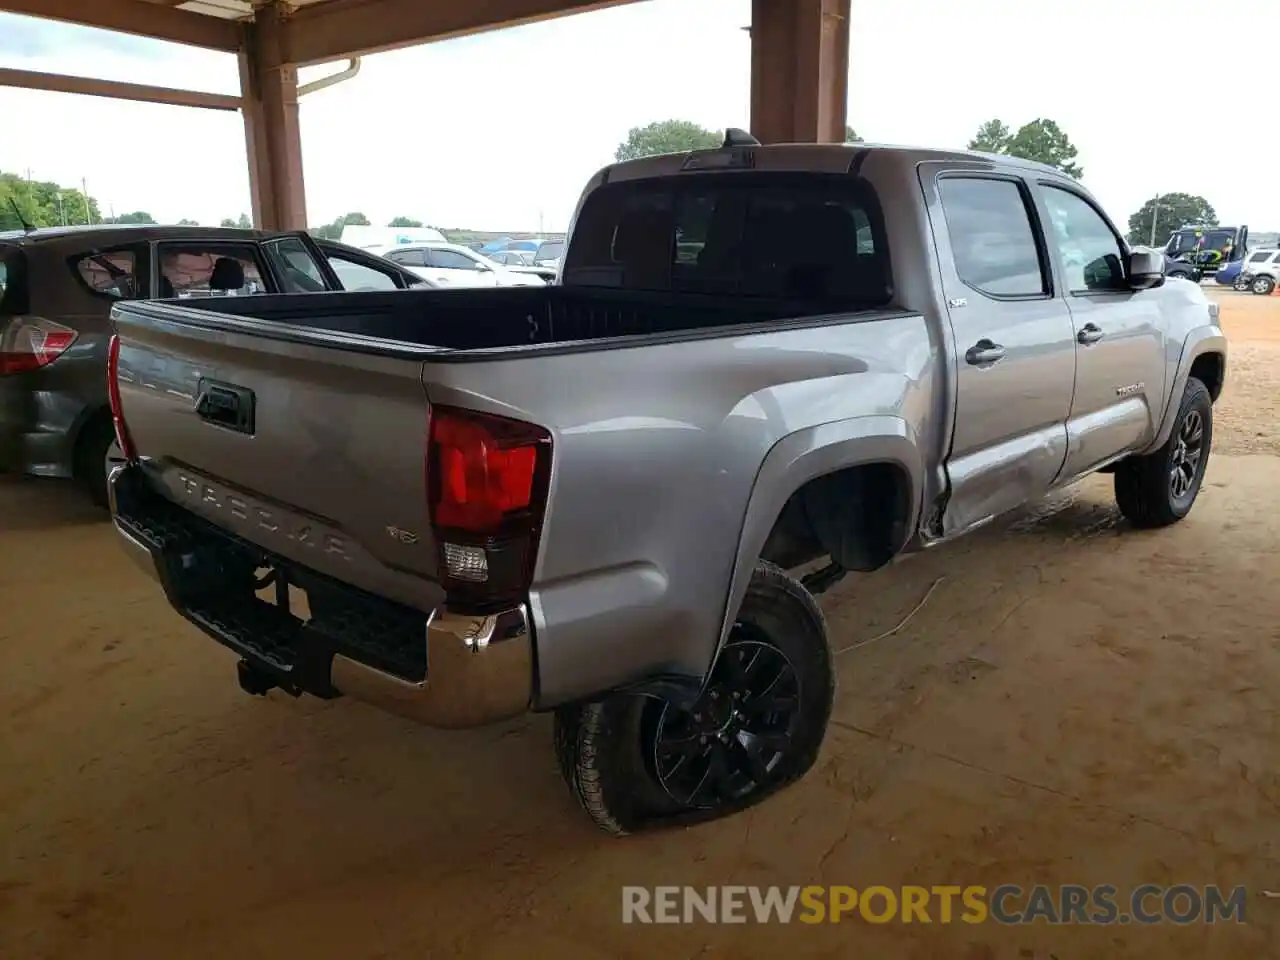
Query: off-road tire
[1142,484]
[602,746]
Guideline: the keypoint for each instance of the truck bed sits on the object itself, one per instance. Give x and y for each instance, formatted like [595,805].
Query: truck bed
[461,321]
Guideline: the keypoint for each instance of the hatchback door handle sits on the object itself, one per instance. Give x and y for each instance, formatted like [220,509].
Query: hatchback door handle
[984,352]
[1089,333]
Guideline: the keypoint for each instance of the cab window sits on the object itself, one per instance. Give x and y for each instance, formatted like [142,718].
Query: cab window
[993,237]
[210,270]
[1092,257]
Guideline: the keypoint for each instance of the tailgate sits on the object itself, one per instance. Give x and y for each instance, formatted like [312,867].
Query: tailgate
[310,452]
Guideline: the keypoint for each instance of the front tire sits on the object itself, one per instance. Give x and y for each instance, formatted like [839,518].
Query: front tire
[1160,488]
[635,761]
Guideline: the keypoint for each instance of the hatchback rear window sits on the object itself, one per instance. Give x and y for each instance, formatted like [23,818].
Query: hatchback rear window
[798,237]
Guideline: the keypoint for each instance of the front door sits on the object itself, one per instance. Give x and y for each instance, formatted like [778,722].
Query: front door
[1120,354]
[1014,345]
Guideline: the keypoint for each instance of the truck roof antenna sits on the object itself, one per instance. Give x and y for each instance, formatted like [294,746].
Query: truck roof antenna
[734,137]
[26,227]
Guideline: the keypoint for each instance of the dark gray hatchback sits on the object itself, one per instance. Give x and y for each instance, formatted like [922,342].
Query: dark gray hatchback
[57,286]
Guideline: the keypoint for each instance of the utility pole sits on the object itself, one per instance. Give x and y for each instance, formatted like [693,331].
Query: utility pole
[84,192]
[1155,215]
[62,213]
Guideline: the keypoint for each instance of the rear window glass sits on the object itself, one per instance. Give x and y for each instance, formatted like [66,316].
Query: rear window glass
[808,237]
[194,270]
[112,273]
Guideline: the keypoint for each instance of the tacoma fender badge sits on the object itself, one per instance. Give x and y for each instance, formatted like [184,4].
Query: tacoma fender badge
[1130,389]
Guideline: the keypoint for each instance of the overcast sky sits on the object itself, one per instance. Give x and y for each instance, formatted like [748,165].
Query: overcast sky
[500,131]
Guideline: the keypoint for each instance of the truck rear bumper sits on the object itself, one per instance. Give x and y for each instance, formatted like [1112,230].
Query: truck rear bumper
[447,669]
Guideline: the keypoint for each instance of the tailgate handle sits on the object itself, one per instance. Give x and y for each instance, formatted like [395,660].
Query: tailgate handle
[225,405]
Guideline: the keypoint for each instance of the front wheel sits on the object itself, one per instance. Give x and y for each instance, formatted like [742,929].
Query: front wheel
[635,761]
[1160,488]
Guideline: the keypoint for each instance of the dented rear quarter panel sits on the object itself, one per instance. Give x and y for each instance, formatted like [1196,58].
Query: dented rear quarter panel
[671,462]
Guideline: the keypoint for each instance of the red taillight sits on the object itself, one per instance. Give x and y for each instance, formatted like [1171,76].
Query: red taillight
[29,343]
[487,480]
[113,396]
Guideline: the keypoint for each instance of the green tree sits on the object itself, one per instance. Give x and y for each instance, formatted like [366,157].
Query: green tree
[138,216]
[43,204]
[851,135]
[332,231]
[404,222]
[992,137]
[188,223]
[1167,213]
[244,223]
[666,136]
[1042,141]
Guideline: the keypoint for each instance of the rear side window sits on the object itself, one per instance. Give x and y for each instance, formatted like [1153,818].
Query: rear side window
[111,273]
[993,241]
[797,237]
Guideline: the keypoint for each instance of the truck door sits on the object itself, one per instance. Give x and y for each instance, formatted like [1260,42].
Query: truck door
[1013,341]
[1120,339]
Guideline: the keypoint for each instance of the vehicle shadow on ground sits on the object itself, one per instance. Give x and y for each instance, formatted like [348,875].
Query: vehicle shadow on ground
[37,503]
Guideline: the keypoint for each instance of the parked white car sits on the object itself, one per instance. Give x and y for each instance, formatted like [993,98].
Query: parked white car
[451,265]
[1260,273]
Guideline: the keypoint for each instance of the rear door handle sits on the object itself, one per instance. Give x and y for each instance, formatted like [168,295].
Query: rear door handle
[1089,333]
[984,352]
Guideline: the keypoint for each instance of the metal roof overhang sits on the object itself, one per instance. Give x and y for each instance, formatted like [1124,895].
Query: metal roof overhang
[314,31]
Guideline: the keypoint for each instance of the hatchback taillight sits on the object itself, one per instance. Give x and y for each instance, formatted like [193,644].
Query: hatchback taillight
[29,343]
[113,397]
[487,483]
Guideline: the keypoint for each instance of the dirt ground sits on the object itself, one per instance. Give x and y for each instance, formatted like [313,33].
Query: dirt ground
[1076,703]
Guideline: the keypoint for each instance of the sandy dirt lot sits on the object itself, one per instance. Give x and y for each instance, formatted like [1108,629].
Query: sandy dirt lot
[1076,703]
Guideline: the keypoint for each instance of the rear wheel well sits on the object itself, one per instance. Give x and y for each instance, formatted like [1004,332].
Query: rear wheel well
[1210,369]
[857,516]
[91,427]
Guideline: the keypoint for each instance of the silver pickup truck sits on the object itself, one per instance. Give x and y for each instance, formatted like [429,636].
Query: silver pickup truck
[593,498]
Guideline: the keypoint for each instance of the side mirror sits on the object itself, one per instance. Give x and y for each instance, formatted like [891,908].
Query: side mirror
[1145,270]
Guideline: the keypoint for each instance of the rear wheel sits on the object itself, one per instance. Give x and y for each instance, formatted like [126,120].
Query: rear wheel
[1262,286]
[636,761]
[1160,488]
[96,453]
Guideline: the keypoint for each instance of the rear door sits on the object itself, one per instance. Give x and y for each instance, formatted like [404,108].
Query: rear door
[1015,352]
[1120,335]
